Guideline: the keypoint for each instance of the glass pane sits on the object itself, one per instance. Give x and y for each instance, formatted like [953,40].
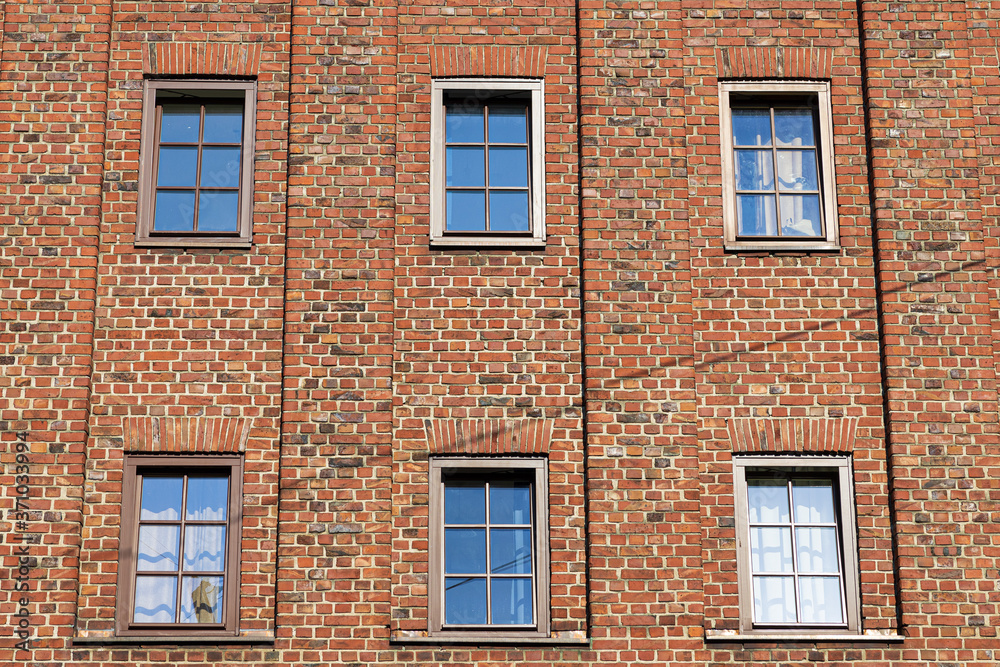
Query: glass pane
[817,550]
[797,170]
[204,548]
[465,550]
[464,601]
[465,166]
[768,500]
[179,123]
[201,600]
[465,502]
[509,212]
[223,123]
[751,127]
[511,602]
[813,500]
[155,600]
[774,599]
[220,168]
[800,215]
[754,170]
[218,211]
[771,550]
[510,551]
[177,167]
[508,124]
[207,498]
[158,548]
[464,123]
[757,215]
[174,212]
[510,503]
[161,498]
[466,211]
[820,600]
[794,127]
[508,167]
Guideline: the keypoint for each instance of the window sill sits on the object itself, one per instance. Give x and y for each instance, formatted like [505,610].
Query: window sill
[790,246]
[488,639]
[486,242]
[207,640]
[803,636]
[182,243]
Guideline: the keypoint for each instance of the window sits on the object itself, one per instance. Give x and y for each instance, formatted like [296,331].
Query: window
[796,547]
[489,547]
[777,165]
[487,165]
[179,564]
[197,163]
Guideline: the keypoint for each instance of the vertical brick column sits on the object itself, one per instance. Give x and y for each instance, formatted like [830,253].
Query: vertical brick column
[645,574]
[53,81]
[937,319]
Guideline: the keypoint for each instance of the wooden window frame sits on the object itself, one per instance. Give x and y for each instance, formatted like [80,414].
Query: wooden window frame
[482,90]
[135,467]
[835,468]
[207,90]
[772,93]
[537,470]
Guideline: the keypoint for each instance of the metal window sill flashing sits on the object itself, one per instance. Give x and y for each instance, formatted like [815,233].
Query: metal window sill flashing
[803,636]
[207,640]
[487,639]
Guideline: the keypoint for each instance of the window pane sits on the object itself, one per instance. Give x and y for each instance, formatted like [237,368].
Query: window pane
[155,600]
[180,123]
[757,216]
[465,166]
[158,548]
[218,211]
[800,215]
[207,498]
[174,212]
[178,167]
[813,500]
[751,127]
[771,550]
[161,498]
[465,502]
[510,503]
[466,211]
[223,123]
[817,550]
[794,127]
[797,170]
[774,599]
[201,600]
[220,168]
[510,551]
[464,124]
[820,600]
[509,211]
[464,601]
[508,167]
[768,500]
[754,170]
[204,548]
[511,601]
[508,124]
[465,550]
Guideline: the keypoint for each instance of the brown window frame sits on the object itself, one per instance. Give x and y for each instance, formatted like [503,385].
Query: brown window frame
[535,469]
[135,468]
[156,93]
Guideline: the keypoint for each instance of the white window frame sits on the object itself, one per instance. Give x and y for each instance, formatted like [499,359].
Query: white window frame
[837,468]
[483,89]
[767,90]
[537,469]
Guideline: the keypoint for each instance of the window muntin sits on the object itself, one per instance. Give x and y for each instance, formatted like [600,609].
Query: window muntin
[197,163]
[489,547]
[487,162]
[180,560]
[778,167]
[797,556]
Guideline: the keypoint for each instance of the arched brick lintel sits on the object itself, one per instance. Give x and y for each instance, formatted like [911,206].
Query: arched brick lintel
[190,435]
[774,62]
[488,436]
[512,61]
[790,436]
[206,58]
